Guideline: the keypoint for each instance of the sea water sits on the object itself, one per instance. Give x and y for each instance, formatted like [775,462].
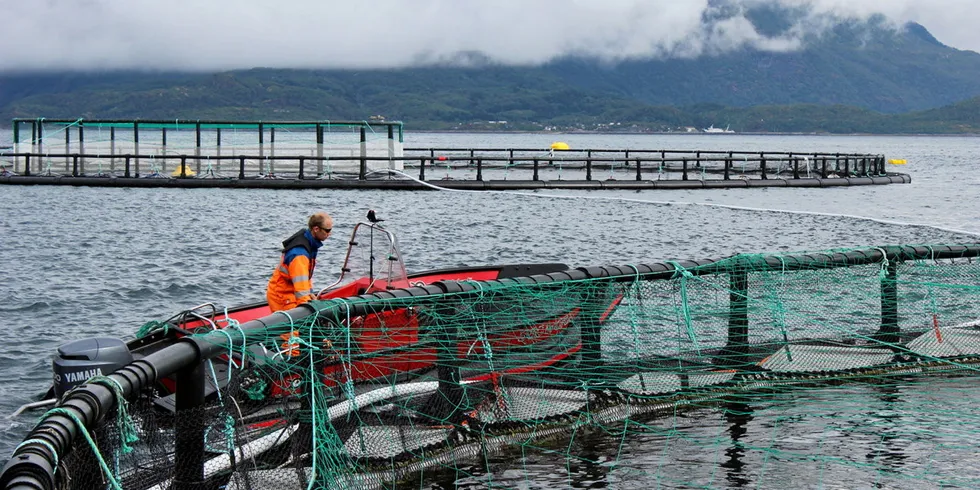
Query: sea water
[79,262]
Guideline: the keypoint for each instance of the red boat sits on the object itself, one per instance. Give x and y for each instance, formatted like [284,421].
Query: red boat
[389,346]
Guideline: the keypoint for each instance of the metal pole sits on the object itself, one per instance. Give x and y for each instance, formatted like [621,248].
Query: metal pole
[272,151]
[889,330]
[136,145]
[391,146]
[319,149]
[68,148]
[16,144]
[112,151]
[738,319]
[197,149]
[362,174]
[81,144]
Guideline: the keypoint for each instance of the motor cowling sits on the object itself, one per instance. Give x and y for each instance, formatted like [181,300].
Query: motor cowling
[78,361]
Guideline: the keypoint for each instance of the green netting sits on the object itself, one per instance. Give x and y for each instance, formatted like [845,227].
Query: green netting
[733,373]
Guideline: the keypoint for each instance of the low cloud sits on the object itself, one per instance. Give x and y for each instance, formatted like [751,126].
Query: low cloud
[230,34]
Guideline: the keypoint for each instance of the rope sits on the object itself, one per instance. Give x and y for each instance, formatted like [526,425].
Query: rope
[88,438]
[685,305]
[684,203]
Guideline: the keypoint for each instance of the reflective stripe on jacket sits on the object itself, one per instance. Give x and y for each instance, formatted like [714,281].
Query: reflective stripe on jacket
[291,281]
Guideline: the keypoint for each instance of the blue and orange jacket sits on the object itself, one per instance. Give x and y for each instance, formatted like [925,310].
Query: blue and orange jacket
[291,282]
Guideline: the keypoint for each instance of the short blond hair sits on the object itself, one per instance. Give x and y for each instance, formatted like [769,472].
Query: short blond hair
[321,219]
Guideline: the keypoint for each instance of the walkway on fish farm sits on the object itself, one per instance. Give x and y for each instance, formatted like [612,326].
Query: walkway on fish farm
[483,169]
[371,155]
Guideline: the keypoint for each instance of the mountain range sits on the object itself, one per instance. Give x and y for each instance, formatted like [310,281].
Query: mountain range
[855,77]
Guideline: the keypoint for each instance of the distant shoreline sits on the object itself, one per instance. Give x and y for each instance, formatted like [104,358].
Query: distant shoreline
[722,135]
[695,133]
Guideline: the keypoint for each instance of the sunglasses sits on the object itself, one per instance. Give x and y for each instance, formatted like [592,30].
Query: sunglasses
[324,229]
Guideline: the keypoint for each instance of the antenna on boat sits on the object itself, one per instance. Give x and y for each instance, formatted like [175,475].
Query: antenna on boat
[373,218]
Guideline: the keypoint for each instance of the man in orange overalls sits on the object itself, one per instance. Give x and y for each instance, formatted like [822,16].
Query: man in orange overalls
[291,282]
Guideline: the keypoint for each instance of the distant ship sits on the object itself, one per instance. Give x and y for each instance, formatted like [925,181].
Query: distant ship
[713,129]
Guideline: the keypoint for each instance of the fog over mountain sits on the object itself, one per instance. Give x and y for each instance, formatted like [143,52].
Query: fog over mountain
[218,35]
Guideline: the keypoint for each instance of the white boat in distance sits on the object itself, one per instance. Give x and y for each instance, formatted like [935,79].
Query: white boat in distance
[713,129]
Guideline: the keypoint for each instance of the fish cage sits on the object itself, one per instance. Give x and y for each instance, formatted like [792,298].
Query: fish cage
[409,387]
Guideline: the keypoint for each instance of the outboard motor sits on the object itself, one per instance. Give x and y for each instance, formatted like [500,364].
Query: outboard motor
[78,361]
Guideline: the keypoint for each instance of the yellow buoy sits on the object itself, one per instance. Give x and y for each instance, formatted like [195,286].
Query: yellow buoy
[895,161]
[186,171]
[559,145]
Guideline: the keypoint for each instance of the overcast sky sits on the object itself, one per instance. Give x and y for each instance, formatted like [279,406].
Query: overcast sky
[230,34]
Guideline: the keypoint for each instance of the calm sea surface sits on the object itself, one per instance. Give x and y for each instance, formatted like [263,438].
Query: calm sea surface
[78,262]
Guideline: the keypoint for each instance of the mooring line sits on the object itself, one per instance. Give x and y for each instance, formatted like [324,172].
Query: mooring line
[684,203]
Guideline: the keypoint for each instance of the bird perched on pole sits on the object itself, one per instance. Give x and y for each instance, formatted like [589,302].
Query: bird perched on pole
[373,217]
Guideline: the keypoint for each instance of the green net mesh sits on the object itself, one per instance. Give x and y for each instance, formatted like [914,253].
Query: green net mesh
[808,370]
